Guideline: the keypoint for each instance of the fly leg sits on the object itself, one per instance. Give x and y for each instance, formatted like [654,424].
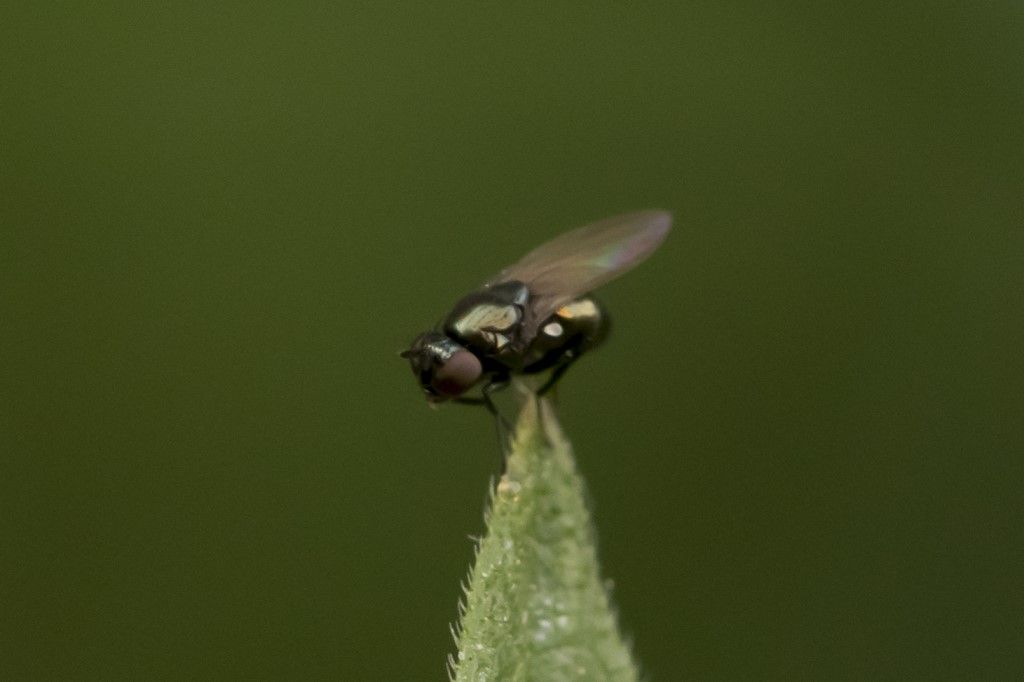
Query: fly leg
[503,426]
[487,401]
[557,374]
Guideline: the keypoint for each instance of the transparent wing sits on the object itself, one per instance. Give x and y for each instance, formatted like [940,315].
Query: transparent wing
[584,259]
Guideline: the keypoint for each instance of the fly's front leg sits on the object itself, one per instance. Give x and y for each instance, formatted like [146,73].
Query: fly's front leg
[503,426]
[493,387]
[486,400]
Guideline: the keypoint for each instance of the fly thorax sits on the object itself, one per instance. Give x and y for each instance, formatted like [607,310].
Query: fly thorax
[489,320]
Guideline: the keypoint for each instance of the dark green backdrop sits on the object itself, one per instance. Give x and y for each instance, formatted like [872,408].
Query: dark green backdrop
[219,222]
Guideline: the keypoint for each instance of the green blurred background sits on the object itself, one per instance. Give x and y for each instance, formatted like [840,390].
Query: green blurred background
[219,222]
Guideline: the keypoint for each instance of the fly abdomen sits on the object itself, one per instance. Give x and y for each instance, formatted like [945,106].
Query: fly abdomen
[572,330]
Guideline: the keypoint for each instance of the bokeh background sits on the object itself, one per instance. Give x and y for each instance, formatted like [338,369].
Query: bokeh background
[219,223]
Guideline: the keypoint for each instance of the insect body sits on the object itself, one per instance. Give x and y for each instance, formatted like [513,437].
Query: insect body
[535,315]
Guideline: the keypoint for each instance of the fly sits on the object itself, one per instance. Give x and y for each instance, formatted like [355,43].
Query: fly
[533,316]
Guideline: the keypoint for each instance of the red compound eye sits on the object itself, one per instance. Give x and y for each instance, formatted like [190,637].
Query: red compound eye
[458,374]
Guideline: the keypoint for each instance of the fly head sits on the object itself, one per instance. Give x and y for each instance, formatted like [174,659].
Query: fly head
[444,368]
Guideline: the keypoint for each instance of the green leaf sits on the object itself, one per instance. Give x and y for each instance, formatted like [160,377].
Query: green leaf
[536,608]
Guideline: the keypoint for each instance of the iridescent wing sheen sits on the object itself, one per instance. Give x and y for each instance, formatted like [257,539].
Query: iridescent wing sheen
[580,261]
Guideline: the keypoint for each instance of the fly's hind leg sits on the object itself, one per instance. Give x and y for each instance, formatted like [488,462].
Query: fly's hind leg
[558,373]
